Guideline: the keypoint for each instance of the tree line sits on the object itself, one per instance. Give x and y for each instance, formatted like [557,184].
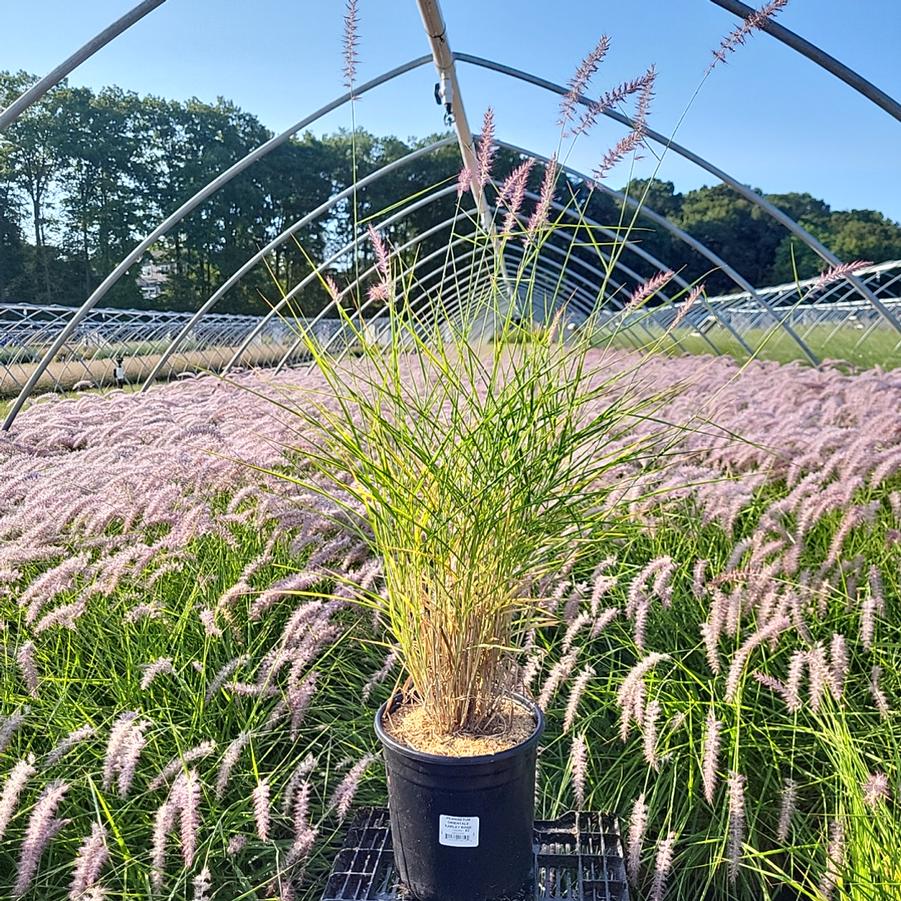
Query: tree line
[84,174]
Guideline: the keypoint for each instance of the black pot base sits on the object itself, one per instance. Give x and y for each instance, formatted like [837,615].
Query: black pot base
[578,849]
[461,827]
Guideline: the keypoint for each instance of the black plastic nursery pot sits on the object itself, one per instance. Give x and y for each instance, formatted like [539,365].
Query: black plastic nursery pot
[461,827]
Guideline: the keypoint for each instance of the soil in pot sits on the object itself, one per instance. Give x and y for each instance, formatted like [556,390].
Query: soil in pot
[462,812]
[410,725]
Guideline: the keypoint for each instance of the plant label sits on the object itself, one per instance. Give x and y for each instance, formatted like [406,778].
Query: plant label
[458,832]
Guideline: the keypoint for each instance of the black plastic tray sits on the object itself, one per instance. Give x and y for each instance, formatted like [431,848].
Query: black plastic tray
[578,857]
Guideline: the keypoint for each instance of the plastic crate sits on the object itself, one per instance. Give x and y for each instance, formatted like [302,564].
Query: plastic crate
[578,857]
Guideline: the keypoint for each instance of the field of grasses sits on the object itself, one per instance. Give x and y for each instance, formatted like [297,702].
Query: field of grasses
[187,686]
[76,372]
[857,347]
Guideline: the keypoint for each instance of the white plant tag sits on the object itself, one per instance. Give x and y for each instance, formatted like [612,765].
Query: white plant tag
[458,832]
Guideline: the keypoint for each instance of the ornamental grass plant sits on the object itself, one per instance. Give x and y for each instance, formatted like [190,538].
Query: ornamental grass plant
[478,453]
[480,468]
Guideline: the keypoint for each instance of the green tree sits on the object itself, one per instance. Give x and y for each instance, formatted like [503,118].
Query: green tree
[201,141]
[34,163]
[85,173]
[864,235]
[13,281]
[851,235]
[740,232]
[296,178]
[106,174]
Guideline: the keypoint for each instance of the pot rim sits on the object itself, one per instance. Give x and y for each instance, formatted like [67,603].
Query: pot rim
[444,759]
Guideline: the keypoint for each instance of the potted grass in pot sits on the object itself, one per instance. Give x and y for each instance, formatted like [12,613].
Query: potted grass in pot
[476,468]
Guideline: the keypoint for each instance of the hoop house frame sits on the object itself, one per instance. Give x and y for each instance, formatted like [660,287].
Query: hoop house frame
[766,303]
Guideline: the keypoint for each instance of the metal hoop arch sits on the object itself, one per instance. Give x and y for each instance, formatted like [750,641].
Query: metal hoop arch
[819,56]
[634,247]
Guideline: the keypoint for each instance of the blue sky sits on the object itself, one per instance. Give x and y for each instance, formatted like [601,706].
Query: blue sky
[769,117]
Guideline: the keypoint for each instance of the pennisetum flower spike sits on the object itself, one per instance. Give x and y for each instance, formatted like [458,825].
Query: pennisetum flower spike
[580,81]
[638,823]
[754,22]
[351,42]
[578,758]
[736,798]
